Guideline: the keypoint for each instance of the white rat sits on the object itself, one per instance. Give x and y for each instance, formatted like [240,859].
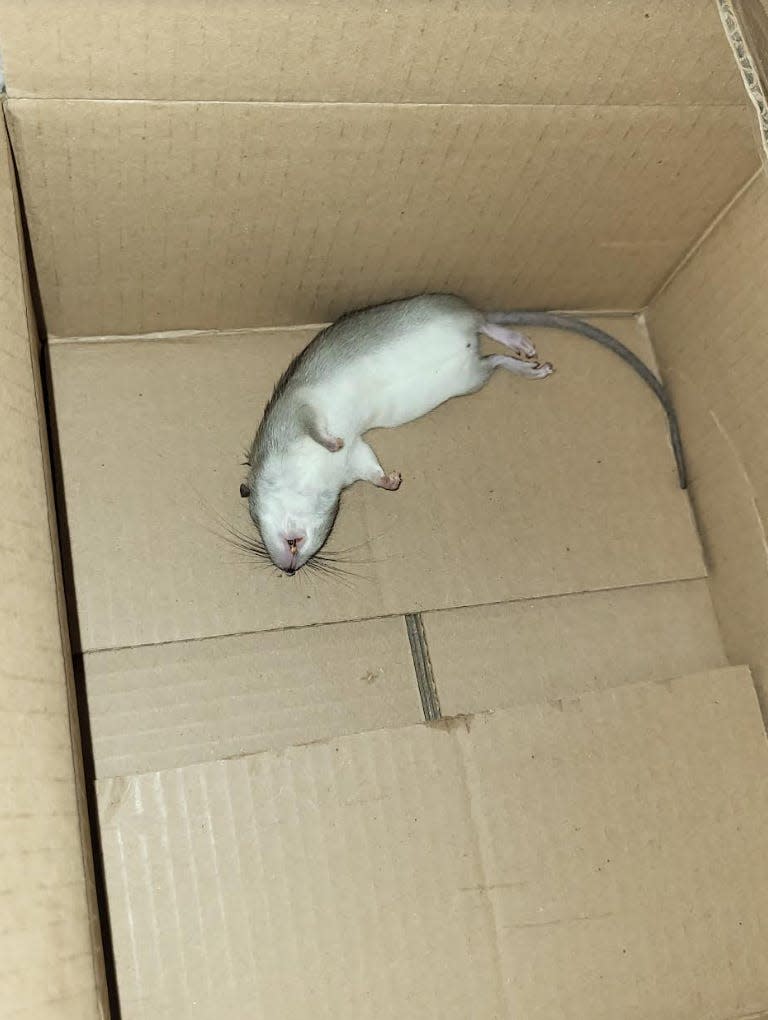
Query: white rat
[377,368]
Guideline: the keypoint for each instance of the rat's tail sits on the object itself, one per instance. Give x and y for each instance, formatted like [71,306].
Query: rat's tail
[550,320]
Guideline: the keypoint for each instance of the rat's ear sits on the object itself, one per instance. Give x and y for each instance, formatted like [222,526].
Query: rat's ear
[245,490]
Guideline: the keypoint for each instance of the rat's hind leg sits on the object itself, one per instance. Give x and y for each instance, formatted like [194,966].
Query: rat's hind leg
[364,467]
[531,369]
[516,342]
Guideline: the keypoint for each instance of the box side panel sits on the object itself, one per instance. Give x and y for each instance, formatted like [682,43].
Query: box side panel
[148,217]
[709,327]
[550,52]
[49,938]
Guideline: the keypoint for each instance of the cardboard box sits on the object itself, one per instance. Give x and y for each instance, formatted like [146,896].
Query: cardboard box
[511,762]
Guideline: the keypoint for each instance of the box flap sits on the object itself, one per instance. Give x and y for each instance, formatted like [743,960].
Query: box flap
[49,941]
[519,652]
[161,706]
[709,326]
[563,53]
[151,432]
[152,216]
[602,858]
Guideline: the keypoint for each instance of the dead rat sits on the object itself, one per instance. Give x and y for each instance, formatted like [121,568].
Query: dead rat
[377,368]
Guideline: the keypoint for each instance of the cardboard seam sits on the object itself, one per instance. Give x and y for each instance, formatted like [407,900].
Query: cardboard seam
[464,748]
[748,481]
[14,97]
[108,649]
[422,664]
[188,335]
[697,244]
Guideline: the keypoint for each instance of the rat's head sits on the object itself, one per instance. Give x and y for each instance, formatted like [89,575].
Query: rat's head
[294,515]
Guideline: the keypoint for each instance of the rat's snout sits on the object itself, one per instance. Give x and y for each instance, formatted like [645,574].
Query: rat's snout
[290,552]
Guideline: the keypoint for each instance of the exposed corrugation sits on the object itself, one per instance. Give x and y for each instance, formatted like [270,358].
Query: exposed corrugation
[754,86]
[430,700]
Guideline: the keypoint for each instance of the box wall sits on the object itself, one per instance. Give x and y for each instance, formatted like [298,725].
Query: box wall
[709,327]
[50,938]
[308,160]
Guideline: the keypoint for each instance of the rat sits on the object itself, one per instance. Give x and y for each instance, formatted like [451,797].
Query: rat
[380,367]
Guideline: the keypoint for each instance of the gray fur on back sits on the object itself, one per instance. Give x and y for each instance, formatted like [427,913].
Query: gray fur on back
[353,335]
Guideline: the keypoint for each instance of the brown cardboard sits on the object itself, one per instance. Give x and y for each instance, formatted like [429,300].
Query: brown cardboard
[147,217]
[49,936]
[709,326]
[511,654]
[746,26]
[161,706]
[555,52]
[600,858]
[191,166]
[522,490]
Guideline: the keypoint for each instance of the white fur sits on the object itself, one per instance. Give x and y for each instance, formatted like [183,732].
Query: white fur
[392,384]
[403,380]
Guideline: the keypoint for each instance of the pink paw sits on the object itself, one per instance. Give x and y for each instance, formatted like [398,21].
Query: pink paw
[525,347]
[543,370]
[391,481]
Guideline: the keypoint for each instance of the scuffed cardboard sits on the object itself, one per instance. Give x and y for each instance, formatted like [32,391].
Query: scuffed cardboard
[563,861]
[527,488]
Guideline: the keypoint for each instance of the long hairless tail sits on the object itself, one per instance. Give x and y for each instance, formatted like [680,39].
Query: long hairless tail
[574,325]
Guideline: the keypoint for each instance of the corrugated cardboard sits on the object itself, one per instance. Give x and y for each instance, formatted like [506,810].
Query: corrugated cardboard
[49,936]
[746,25]
[161,706]
[511,654]
[710,326]
[525,489]
[188,165]
[166,216]
[551,52]
[601,858]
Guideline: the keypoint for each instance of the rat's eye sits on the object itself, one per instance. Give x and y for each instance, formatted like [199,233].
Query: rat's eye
[244,490]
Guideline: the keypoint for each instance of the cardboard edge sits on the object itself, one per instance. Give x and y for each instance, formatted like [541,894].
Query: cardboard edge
[743,490]
[461,722]
[741,46]
[85,810]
